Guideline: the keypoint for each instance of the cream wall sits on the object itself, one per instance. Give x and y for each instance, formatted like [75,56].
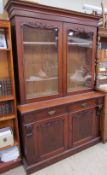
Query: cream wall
[72,4]
[1,6]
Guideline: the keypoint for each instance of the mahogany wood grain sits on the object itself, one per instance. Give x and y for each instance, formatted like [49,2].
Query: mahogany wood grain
[57,14]
[58,101]
[67,122]
[56,18]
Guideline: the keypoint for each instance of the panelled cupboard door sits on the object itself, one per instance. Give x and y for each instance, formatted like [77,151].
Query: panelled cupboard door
[83,126]
[79,57]
[47,138]
[39,59]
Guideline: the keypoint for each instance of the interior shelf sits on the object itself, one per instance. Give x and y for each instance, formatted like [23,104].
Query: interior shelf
[35,95]
[6,98]
[75,43]
[100,71]
[4,49]
[8,111]
[7,117]
[100,60]
[39,43]
[4,148]
[40,79]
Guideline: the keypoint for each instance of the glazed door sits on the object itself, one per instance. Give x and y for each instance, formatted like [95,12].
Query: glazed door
[41,55]
[84,126]
[79,57]
[46,138]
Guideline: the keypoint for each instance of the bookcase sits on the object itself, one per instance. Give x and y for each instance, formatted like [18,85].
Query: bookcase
[101,79]
[8,113]
[54,57]
[101,74]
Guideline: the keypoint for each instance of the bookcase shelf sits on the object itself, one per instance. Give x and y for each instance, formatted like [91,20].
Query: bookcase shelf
[39,43]
[8,117]
[8,112]
[15,144]
[57,103]
[6,98]
[38,79]
[101,67]
[4,49]
[102,71]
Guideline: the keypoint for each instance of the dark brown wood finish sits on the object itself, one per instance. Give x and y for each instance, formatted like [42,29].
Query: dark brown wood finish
[58,18]
[58,130]
[80,115]
[51,134]
[102,59]
[42,12]
[56,126]
[83,120]
[27,108]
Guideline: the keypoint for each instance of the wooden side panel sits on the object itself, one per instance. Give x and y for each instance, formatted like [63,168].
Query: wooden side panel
[30,144]
[104,121]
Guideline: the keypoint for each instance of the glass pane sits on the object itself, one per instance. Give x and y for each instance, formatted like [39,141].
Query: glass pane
[40,61]
[101,77]
[79,58]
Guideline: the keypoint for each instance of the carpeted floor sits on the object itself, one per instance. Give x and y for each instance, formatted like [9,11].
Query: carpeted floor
[92,161]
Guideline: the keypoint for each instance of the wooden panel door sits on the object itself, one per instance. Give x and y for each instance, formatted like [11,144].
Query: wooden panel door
[79,58]
[84,126]
[46,138]
[39,59]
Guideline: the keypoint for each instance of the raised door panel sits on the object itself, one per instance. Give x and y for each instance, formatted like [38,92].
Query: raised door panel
[40,56]
[83,127]
[79,56]
[52,136]
[46,138]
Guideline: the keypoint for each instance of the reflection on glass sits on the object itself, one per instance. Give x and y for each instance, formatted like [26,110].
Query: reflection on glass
[79,58]
[40,61]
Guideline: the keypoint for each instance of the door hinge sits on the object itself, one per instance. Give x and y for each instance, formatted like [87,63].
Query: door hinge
[28,129]
[99,109]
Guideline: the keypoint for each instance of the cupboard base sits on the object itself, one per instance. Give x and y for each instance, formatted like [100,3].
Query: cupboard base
[37,166]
